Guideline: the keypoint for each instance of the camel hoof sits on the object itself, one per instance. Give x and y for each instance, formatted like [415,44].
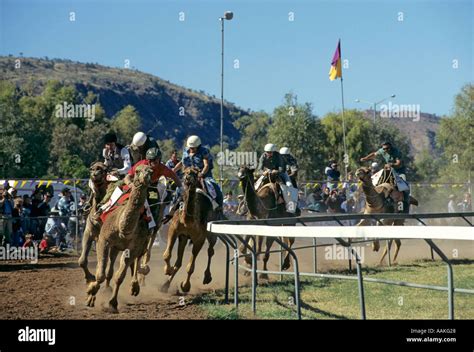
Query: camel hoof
[185,286]
[111,308]
[207,278]
[263,276]
[376,246]
[89,278]
[248,260]
[168,270]
[144,270]
[135,288]
[286,265]
[90,301]
[165,287]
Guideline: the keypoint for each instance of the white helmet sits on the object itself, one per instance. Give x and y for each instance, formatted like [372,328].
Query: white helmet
[375,166]
[284,151]
[193,142]
[270,147]
[139,139]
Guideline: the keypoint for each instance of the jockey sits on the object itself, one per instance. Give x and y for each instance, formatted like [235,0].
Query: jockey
[139,146]
[153,159]
[291,165]
[393,159]
[199,156]
[271,160]
[116,156]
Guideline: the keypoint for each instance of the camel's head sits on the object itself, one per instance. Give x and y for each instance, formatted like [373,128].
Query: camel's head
[363,173]
[143,175]
[191,177]
[244,172]
[98,172]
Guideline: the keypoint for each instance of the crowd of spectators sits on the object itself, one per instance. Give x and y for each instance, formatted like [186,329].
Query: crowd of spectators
[33,219]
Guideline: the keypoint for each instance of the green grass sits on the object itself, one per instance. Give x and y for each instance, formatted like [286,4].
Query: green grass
[339,299]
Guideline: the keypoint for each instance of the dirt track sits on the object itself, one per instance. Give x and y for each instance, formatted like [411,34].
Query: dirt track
[54,288]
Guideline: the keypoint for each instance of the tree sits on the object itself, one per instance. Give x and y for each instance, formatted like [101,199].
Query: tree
[455,139]
[295,126]
[126,123]
[253,130]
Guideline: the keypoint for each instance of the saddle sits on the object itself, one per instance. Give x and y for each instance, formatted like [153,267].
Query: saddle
[145,212]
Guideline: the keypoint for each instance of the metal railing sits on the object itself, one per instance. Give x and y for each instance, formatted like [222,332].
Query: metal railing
[231,240]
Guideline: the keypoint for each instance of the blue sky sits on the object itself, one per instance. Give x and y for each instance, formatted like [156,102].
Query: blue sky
[412,58]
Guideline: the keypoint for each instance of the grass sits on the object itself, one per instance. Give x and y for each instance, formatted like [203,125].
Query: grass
[339,299]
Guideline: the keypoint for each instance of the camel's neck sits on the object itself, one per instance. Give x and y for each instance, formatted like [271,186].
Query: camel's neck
[132,212]
[250,197]
[372,198]
[190,210]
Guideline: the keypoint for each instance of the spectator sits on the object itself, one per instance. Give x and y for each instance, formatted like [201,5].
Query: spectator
[230,204]
[315,201]
[452,204]
[6,212]
[17,234]
[43,210]
[333,175]
[173,161]
[466,204]
[334,202]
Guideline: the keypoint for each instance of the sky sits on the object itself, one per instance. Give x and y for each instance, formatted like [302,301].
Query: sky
[403,47]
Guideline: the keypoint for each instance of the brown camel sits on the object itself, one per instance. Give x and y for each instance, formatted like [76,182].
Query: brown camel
[375,203]
[98,185]
[125,229]
[190,223]
[157,207]
[263,204]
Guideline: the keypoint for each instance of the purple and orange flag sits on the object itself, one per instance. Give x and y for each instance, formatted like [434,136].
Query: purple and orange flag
[336,68]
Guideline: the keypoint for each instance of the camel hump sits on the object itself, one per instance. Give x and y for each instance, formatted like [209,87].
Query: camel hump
[385,188]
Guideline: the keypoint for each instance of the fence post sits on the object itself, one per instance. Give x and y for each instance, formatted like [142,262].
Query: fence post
[76,203]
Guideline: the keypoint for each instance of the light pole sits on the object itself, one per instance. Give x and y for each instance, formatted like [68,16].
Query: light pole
[228,15]
[374,104]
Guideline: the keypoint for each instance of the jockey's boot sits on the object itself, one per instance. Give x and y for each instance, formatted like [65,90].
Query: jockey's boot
[95,217]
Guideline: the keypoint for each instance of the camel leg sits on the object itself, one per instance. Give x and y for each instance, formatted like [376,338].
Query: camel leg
[179,261]
[186,285]
[398,244]
[86,247]
[210,252]
[144,269]
[259,246]
[172,235]
[135,286]
[102,256]
[268,246]
[113,253]
[385,251]
[119,276]
[286,262]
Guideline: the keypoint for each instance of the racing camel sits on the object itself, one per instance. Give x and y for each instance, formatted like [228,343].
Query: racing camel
[376,203]
[263,204]
[190,223]
[125,228]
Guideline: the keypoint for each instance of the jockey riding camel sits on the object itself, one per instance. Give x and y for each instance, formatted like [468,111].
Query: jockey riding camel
[393,160]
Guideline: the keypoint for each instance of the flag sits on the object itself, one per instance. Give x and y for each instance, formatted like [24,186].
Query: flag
[336,69]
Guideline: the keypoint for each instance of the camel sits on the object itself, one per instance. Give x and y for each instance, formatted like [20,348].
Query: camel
[125,229]
[190,223]
[375,203]
[263,204]
[157,208]
[98,185]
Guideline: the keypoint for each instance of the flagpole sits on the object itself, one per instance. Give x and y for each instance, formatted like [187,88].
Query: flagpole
[343,122]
